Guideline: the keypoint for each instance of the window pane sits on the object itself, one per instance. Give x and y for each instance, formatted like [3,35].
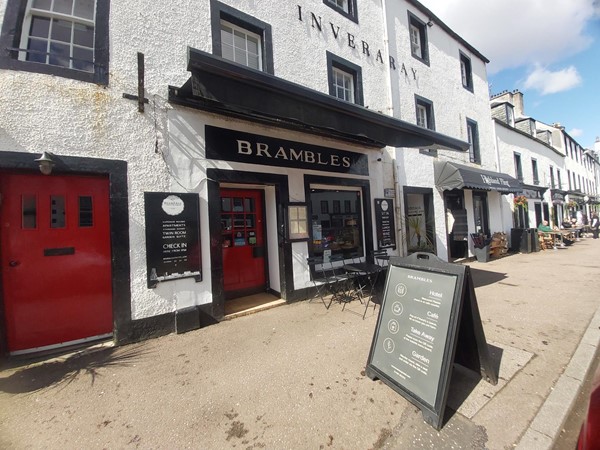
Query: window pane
[83,59]
[86,218]
[29,212]
[42,4]
[39,49]
[226,204]
[226,35]
[83,35]
[57,211]
[84,9]
[40,27]
[63,6]
[253,62]
[249,204]
[61,30]
[59,54]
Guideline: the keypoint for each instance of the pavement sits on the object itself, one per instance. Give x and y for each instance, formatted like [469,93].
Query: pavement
[293,377]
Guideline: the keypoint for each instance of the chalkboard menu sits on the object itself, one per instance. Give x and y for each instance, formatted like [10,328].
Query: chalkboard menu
[172,236]
[384,221]
[426,303]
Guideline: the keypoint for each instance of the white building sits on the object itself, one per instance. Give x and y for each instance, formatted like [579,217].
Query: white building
[193,157]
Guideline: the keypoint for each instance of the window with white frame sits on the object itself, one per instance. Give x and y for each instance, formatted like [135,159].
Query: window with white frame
[534,171]
[424,113]
[67,38]
[241,38]
[345,80]
[473,138]
[346,8]
[418,38]
[466,72]
[240,45]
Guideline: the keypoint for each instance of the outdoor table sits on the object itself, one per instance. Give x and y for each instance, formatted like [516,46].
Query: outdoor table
[366,271]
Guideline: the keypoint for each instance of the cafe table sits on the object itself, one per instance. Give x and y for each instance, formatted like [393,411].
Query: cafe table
[365,274]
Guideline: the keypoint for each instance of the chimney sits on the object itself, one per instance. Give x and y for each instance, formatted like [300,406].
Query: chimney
[517,101]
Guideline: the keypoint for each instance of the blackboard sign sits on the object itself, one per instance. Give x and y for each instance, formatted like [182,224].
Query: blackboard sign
[384,221]
[415,340]
[172,236]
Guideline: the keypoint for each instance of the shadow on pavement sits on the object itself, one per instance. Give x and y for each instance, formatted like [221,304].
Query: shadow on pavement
[485,277]
[56,372]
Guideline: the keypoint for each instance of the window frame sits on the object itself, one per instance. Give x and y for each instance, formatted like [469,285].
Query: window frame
[355,71]
[12,32]
[535,172]
[474,147]
[421,26]
[518,162]
[428,106]
[247,34]
[221,12]
[352,12]
[466,71]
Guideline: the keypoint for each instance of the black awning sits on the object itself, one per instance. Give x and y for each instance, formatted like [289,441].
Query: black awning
[449,175]
[223,87]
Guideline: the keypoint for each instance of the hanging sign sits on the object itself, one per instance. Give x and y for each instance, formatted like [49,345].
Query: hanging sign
[172,236]
[426,303]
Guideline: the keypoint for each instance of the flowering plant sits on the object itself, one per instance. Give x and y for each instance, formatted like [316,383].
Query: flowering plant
[572,204]
[520,200]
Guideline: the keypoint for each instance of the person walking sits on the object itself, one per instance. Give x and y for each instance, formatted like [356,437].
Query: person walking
[595,225]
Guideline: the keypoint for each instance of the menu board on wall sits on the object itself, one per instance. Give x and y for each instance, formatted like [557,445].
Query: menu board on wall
[384,222]
[172,236]
[416,336]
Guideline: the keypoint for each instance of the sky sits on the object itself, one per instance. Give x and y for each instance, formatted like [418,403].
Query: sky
[547,49]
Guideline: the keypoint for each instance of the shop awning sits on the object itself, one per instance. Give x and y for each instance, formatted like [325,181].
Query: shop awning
[450,175]
[222,87]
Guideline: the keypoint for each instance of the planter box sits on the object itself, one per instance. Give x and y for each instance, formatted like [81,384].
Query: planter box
[482,254]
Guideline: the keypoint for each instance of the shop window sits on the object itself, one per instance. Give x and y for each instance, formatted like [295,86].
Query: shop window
[346,8]
[241,38]
[419,220]
[66,38]
[466,72]
[345,79]
[418,38]
[473,138]
[337,232]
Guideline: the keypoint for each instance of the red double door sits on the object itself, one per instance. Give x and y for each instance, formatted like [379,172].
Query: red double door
[55,259]
[242,239]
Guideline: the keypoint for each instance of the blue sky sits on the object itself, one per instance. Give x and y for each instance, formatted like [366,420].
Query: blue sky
[547,49]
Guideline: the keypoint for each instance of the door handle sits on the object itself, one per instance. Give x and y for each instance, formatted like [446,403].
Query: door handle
[13,263]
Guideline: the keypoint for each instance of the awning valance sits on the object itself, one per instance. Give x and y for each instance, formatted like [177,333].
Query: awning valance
[223,87]
[450,175]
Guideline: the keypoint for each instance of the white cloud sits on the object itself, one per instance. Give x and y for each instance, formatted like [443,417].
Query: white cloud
[514,33]
[575,132]
[547,82]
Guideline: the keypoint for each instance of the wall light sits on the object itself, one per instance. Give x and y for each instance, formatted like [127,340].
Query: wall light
[46,163]
[430,23]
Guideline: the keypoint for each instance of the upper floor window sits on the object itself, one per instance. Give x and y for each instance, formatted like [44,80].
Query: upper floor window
[552,177]
[345,79]
[518,167]
[67,38]
[558,179]
[424,113]
[418,38]
[345,7]
[241,38]
[466,72]
[241,46]
[473,137]
[534,169]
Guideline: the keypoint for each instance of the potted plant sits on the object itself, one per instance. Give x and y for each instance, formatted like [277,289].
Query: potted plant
[481,246]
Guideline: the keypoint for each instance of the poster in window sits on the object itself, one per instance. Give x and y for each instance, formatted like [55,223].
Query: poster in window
[385,224]
[172,236]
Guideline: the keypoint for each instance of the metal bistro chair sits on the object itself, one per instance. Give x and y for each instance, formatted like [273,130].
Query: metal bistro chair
[381,258]
[319,279]
[327,280]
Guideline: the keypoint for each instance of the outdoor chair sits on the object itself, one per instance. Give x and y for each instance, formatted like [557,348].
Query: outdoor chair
[381,257]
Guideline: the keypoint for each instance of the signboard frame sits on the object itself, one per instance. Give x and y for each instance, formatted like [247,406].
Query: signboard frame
[467,330]
[385,223]
[172,236]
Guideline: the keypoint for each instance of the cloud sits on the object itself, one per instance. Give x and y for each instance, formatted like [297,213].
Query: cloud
[515,33]
[548,82]
[575,132]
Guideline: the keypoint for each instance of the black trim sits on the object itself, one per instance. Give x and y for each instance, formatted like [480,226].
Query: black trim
[10,38]
[220,11]
[352,14]
[232,90]
[351,69]
[475,156]
[449,175]
[424,41]
[119,223]
[469,69]
[428,104]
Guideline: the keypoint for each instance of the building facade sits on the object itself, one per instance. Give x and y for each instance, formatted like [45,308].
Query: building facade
[154,166]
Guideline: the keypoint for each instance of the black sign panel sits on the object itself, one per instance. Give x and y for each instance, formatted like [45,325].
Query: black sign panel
[384,222]
[415,340]
[231,145]
[172,236]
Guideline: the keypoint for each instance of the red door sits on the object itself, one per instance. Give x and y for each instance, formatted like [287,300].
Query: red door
[56,259]
[242,241]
